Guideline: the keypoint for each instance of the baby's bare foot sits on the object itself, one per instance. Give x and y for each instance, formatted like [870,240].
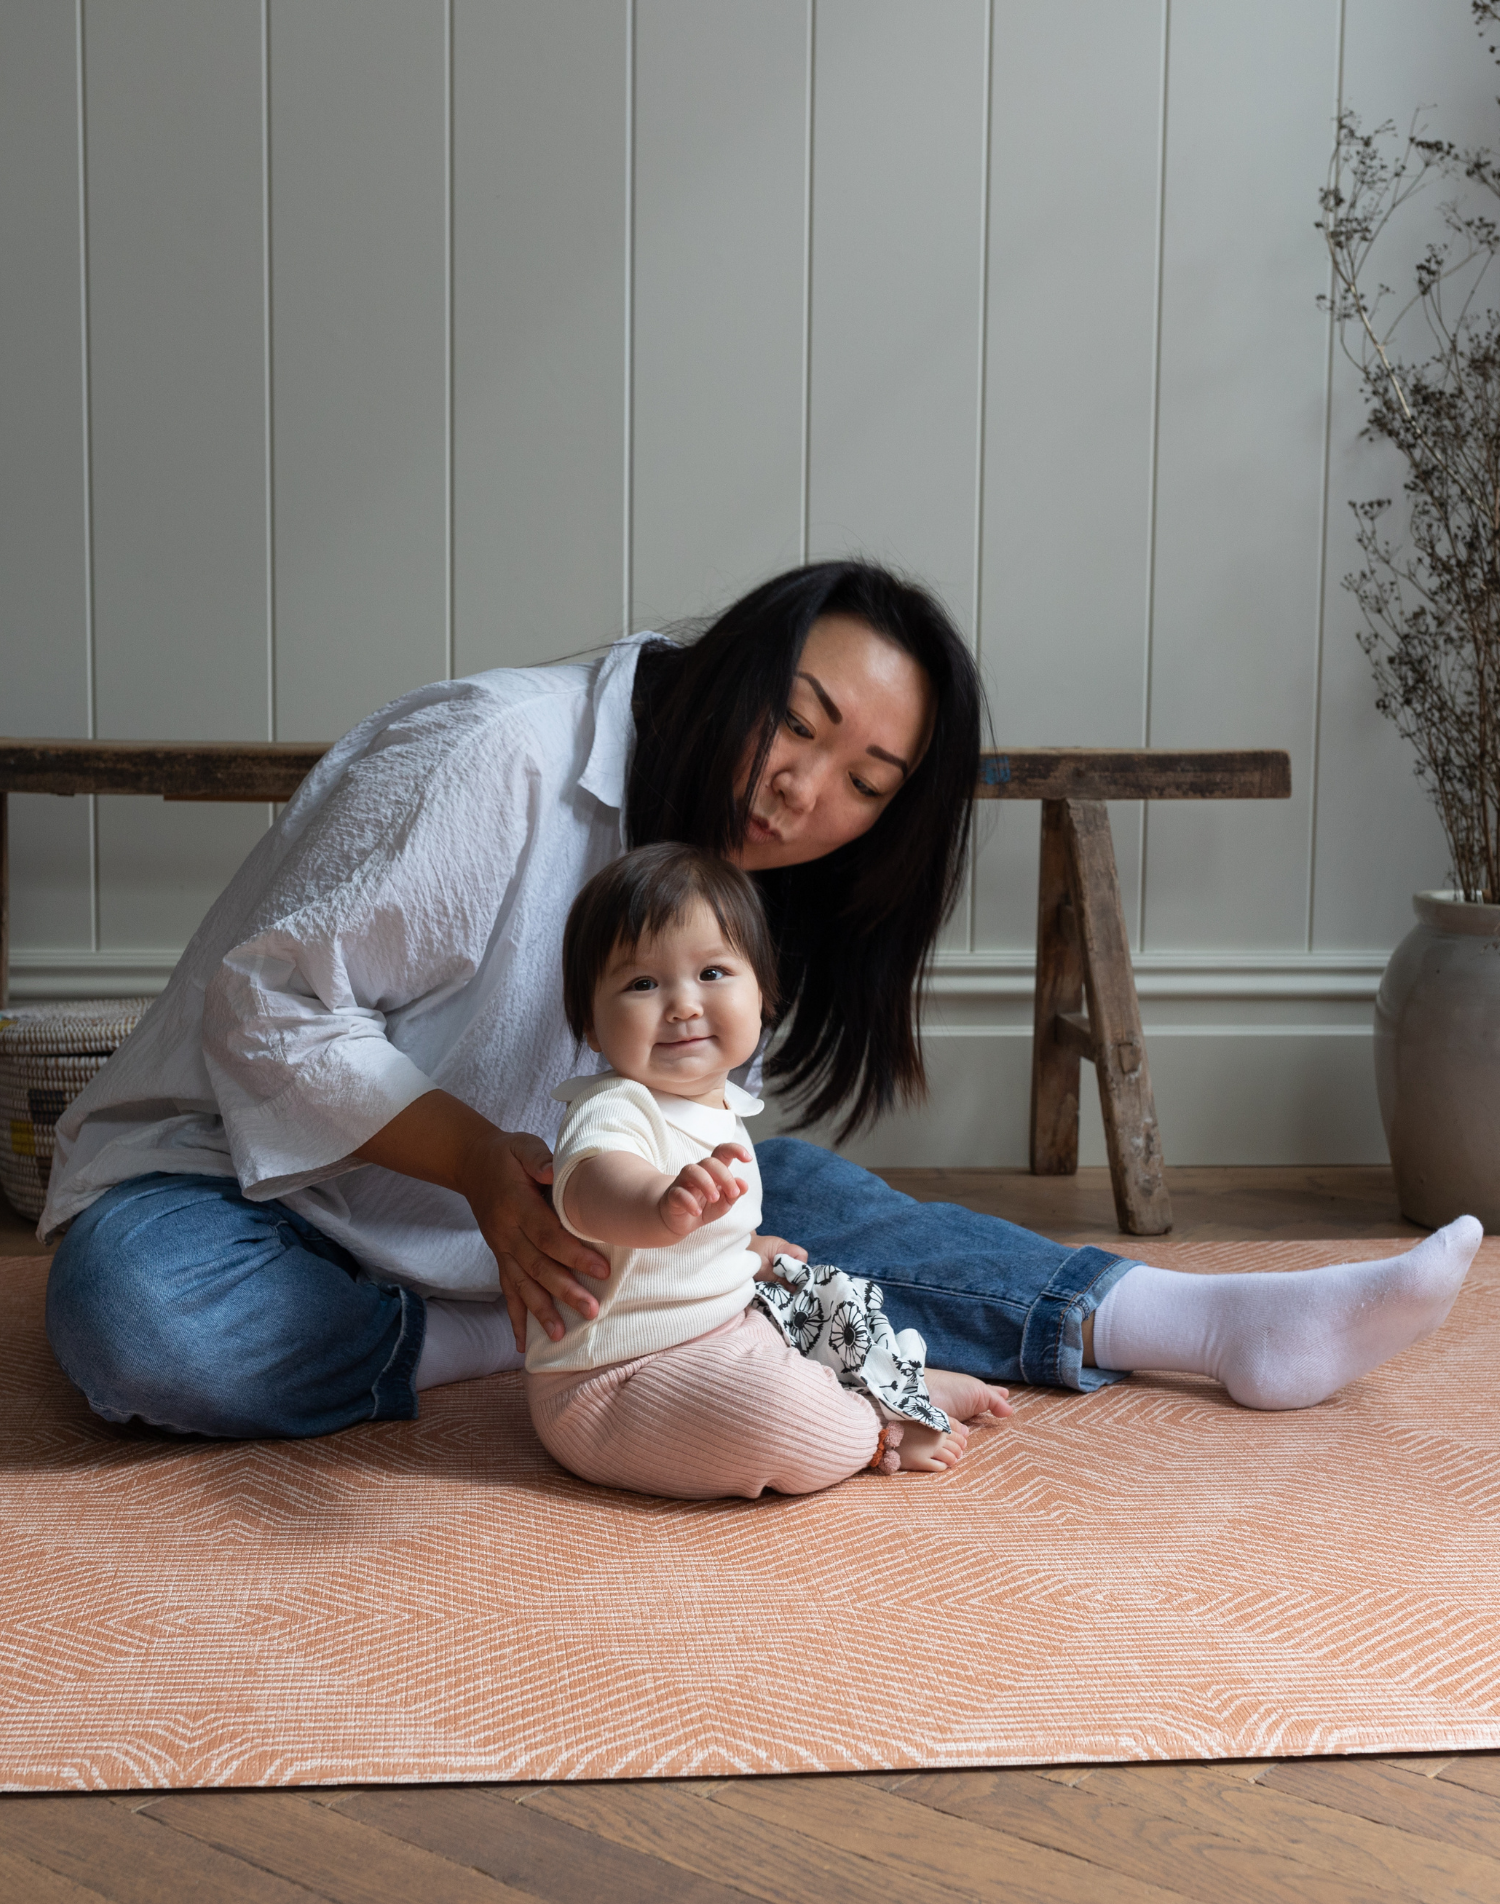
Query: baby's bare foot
[966,1398]
[929,1450]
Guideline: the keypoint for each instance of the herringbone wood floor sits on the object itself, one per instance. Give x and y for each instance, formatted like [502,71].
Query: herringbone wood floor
[1333,1831]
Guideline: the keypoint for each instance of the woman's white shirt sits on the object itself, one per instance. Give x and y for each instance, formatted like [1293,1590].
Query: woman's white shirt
[654,1298]
[399,928]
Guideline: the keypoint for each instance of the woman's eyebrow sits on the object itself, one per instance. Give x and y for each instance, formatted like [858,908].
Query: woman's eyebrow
[822,693]
[894,759]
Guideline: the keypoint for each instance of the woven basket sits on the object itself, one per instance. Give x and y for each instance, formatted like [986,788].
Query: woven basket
[47,1054]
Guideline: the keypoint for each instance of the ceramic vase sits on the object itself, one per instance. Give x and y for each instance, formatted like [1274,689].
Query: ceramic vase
[1437,1061]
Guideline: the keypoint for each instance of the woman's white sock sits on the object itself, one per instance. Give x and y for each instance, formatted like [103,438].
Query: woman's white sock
[1284,1339]
[465,1340]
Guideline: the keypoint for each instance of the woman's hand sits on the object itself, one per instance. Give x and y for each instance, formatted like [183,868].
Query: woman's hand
[502,1175]
[768,1248]
[538,1259]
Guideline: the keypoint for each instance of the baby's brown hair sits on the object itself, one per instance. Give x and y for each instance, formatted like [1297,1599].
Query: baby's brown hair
[642,893]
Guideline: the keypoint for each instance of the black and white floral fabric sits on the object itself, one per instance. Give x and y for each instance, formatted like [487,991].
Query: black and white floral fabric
[840,1321]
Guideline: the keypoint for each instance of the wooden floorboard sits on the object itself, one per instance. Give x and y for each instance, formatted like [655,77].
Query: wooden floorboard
[1327,1831]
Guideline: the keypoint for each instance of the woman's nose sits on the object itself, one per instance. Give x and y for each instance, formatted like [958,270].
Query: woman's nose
[796,788]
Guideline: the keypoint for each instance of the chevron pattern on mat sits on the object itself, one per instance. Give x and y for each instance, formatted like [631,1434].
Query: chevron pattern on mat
[1145,1573]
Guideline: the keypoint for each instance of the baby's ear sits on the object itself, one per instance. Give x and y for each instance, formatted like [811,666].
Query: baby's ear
[589,1039]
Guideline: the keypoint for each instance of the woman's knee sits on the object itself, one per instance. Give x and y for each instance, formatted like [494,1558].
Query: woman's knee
[116,1333]
[100,1304]
[181,1305]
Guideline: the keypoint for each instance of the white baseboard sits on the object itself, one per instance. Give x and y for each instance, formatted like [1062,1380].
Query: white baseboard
[58,972]
[1256,1057]
[42,972]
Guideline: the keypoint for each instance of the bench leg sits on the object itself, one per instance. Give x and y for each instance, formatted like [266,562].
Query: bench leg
[1059,988]
[1142,1206]
[4,901]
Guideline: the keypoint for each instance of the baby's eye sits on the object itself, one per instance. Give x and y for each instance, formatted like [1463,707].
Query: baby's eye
[643,985]
[713,971]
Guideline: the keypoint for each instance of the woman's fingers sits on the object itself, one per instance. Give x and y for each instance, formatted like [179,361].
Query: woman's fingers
[534,1280]
[523,1294]
[555,1279]
[539,1226]
[532,1155]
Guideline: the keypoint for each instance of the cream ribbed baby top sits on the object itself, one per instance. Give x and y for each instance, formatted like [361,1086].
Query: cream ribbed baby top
[654,1298]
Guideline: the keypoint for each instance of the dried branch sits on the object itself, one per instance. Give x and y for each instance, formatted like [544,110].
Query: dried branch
[1431,603]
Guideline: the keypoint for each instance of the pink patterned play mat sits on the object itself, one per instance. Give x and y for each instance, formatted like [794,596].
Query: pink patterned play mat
[1145,1573]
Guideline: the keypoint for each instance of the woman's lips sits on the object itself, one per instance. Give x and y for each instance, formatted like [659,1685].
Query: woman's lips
[760,830]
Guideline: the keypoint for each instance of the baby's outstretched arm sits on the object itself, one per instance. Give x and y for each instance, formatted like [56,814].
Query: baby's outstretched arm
[616,1197]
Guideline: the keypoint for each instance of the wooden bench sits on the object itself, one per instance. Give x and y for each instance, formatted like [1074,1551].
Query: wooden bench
[1086,1003]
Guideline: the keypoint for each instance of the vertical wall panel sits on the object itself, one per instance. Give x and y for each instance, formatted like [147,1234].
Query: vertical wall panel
[898,188]
[359,223]
[539,180]
[1239,485]
[1378,839]
[597,312]
[720,134]
[176,240]
[1067,487]
[43,526]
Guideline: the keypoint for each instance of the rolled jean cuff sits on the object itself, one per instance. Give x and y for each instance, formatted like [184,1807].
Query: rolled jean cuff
[394,1393]
[1052,1337]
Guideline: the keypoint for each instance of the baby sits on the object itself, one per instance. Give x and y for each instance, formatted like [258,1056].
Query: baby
[718,1363]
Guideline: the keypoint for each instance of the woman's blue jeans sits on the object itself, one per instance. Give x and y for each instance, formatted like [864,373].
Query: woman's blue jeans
[177,1301]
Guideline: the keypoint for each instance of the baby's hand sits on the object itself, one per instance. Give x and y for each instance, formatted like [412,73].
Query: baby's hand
[701,1193]
[768,1248]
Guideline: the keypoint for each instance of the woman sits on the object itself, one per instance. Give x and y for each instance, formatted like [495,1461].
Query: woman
[333,1121]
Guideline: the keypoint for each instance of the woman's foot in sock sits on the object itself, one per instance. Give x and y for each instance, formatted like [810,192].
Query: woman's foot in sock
[930,1450]
[966,1398]
[1291,1340]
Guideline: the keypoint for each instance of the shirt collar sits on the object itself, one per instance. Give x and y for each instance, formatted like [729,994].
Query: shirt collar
[614,725]
[681,1111]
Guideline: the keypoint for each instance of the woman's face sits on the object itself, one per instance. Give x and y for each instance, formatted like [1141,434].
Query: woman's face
[858,722]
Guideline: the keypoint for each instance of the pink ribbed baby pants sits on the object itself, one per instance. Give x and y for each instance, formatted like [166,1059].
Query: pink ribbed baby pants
[737,1411]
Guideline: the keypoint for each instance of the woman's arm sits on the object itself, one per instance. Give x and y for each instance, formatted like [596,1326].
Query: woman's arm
[499,1173]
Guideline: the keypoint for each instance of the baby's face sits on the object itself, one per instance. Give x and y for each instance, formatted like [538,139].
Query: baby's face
[679,1011]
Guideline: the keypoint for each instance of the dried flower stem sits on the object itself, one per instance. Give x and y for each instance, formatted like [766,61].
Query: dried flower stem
[1432,606]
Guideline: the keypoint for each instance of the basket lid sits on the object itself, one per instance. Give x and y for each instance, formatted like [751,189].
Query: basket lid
[80,1026]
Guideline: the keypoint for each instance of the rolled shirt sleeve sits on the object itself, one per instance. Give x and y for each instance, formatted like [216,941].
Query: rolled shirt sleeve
[383,910]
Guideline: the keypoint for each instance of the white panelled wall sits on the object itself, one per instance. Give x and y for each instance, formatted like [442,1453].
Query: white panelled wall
[351,343]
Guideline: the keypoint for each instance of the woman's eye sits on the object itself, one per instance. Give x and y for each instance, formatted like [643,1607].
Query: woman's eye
[799,727]
[870,793]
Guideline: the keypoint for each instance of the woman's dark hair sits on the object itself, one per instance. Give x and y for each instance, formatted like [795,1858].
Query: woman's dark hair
[854,930]
[641,895]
